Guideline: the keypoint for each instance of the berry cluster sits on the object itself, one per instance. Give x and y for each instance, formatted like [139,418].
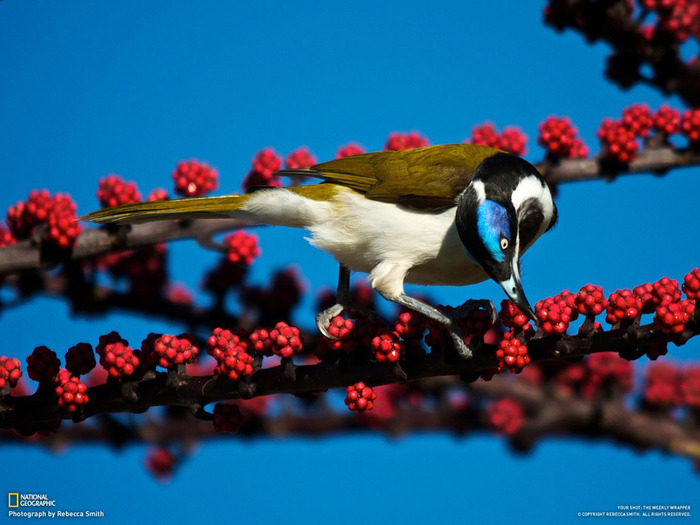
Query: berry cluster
[262,173]
[387,346]
[690,387]
[661,387]
[169,351]
[691,284]
[242,248]
[194,179]
[690,125]
[619,142]
[410,325]
[511,316]
[161,462]
[230,353]
[360,397]
[10,371]
[398,141]
[42,364]
[114,191]
[590,300]
[666,120]
[285,340]
[299,159]
[158,194]
[606,371]
[6,238]
[345,337]
[623,305]
[70,391]
[227,418]
[512,139]
[80,359]
[505,416]
[672,317]
[512,354]
[349,150]
[116,356]
[556,313]
[56,215]
[559,137]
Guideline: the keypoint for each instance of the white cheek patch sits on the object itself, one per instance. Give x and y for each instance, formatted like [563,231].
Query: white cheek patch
[532,187]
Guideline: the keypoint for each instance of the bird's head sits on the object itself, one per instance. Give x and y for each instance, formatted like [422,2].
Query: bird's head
[505,208]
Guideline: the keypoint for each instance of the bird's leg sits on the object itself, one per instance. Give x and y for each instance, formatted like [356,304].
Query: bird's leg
[449,321]
[343,303]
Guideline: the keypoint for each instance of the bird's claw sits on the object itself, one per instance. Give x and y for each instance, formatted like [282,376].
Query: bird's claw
[472,304]
[324,318]
[462,348]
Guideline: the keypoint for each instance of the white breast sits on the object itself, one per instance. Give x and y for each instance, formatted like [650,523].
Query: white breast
[395,244]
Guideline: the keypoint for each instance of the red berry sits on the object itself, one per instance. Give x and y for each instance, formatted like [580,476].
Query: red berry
[591,300]
[667,120]
[645,292]
[285,340]
[606,370]
[514,141]
[690,387]
[399,141]
[194,179]
[264,166]
[242,248]
[511,315]
[158,194]
[665,291]
[118,359]
[486,135]
[113,191]
[623,304]
[554,316]
[512,354]
[261,342]
[42,364]
[637,119]
[360,397]
[10,371]
[349,150]
[505,416]
[299,159]
[618,141]
[557,136]
[691,284]
[6,238]
[343,330]
[227,418]
[172,351]
[80,359]
[63,227]
[672,317]
[690,125]
[387,346]
[662,386]
[17,221]
[70,391]
[410,325]
[161,462]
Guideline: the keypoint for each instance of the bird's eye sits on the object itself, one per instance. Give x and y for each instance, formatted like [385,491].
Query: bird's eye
[504,244]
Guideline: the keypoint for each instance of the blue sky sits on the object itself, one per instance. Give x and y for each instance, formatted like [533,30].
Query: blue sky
[91,88]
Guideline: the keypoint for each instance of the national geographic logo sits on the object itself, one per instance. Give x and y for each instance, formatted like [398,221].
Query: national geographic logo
[20,499]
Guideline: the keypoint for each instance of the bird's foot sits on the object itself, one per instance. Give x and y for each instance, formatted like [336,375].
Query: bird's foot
[324,318]
[473,304]
[464,350]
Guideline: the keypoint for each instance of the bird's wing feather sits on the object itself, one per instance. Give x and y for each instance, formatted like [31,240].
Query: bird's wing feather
[425,178]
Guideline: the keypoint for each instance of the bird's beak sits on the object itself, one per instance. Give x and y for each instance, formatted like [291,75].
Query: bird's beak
[514,290]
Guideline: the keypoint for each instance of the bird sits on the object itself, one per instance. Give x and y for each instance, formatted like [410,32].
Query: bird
[451,214]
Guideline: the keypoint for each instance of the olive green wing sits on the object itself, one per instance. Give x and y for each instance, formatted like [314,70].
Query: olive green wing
[426,178]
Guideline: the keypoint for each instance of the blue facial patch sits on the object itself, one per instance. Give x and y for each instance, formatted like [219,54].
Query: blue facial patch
[492,224]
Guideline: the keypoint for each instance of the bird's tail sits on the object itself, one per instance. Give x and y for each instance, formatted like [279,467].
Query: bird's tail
[189,208]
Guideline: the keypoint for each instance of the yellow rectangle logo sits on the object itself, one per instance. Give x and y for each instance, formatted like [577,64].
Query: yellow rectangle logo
[13,496]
